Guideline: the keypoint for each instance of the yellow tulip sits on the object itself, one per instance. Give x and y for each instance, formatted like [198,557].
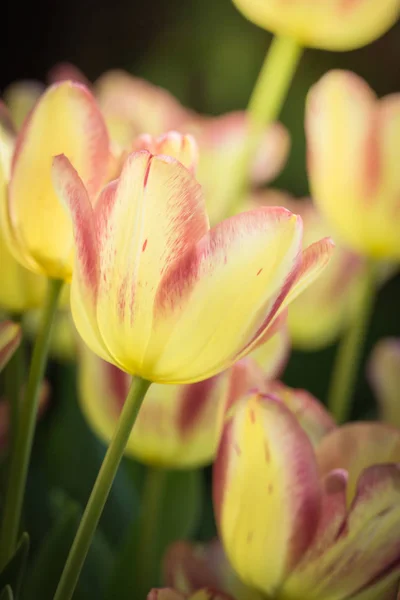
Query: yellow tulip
[157,292]
[328,24]
[298,521]
[37,230]
[353,147]
[20,289]
[384,377]
[10,338]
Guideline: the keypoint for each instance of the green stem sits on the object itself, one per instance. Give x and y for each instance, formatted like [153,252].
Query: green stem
[264,107]
[19,462]
[348,358]
[101,489]
[149,524]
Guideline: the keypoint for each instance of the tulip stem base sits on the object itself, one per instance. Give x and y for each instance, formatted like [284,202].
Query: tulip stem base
[101,490]
[265,104]
[19,462]
[349,354]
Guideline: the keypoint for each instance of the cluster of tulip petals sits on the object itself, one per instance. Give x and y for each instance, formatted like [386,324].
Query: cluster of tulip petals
[124,196]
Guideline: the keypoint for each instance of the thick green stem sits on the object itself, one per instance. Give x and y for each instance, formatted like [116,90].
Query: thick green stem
[265,104]
[101,489]
[149,524]
[347,362]
[19,462]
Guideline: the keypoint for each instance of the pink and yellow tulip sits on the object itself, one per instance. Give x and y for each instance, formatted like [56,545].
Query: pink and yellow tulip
[324,310]
[157,292]
[35,226]
[384,377]
[299,521]
[353,147]
[179,426]
[329,24]
[20,289]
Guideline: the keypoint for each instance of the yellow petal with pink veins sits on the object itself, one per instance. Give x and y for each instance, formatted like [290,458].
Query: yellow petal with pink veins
[266,492]
[213,301]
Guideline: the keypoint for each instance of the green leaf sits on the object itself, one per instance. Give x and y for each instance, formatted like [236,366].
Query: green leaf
[7,593]
[13,573]
[50,559]
[175,518]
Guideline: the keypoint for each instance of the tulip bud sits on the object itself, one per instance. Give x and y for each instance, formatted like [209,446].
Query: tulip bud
[384,377]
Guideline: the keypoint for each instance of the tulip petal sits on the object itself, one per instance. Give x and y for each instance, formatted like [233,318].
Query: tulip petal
[65,120]
[264,454]
[10,338]
[84,290]
[166,594]
[384,377]
[181,147]
[145,221]
[189,567]
[357,446]
[231,282]
[309,412]
[367,548]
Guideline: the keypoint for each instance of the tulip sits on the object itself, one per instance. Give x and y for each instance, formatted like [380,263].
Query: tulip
[178,426]
[37,230]
[353,144]
[324,310]
[384,378]
[10,338]
[334,25]
[159,294]
[298,521]
[20,289]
